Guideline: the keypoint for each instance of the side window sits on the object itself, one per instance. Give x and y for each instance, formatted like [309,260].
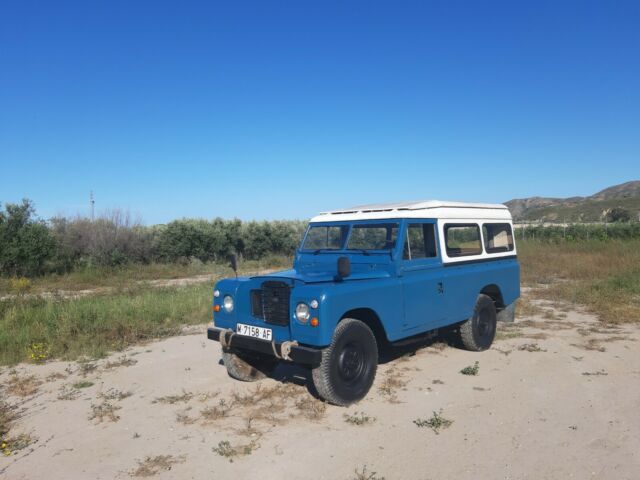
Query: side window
[420,241]
[498,237]
[462,239]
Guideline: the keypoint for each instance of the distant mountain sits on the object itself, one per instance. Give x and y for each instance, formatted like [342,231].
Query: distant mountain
[578,209]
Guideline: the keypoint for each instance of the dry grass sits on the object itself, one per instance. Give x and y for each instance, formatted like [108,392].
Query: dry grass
[184,397]
[152,466]
[526,308]
[123,361]
[66,393]
[602,276]
[593,344]
[262,407]
[7,417]
[531,347]
[363,474]
[106,411]
[358,418]
[23,386]
[114,394]
[184,418]
[392,382]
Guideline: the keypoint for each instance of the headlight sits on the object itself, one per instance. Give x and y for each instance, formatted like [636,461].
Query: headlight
[302,313]
[216,293]
[313,303]
[227,303]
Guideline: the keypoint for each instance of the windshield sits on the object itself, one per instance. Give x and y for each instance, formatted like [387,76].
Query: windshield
[325,237]
[377,236]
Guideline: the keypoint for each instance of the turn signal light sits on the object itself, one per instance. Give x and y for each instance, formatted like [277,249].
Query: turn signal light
[216,308]
[314,322]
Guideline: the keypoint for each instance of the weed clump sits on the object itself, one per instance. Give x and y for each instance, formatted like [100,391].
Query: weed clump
[363,474]
[82,384]
[105,411]
[151,466]
[230,452]
[172,399]
[358,418]
[25,386]
[391,383]
[471,369]
[436,423]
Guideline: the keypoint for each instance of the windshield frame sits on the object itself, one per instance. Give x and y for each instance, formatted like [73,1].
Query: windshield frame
[351,223]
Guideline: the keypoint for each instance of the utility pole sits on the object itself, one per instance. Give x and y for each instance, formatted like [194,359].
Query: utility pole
[92,203]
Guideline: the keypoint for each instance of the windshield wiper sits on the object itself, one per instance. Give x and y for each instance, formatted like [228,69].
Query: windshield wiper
[361,250]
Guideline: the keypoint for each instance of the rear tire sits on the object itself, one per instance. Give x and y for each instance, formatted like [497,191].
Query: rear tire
[247,367]
[477,333]
[348,366]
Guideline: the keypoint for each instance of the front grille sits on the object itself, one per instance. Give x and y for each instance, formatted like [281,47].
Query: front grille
[271,303]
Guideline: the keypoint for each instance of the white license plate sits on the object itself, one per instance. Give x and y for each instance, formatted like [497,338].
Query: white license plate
[255,332]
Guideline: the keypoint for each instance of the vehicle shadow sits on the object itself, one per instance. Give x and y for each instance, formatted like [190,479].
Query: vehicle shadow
[300,375]
[409,347]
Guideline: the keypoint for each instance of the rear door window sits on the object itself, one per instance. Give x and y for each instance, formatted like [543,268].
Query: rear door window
[462,239]
[498,237]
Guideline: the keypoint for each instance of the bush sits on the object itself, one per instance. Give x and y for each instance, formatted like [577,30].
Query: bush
[26,243]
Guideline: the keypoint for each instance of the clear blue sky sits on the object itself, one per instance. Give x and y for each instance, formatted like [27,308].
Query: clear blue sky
[280,109]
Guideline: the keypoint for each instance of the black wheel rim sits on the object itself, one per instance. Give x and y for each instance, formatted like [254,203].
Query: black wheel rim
[351,363]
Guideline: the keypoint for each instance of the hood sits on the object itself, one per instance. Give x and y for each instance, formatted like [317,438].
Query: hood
[314,276]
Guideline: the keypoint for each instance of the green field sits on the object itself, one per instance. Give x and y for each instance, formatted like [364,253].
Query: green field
[602,276]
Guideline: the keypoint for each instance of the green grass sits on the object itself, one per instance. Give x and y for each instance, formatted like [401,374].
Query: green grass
[123,277]
[94,325]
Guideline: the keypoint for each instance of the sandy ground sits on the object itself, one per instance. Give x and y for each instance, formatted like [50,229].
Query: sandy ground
[557,396]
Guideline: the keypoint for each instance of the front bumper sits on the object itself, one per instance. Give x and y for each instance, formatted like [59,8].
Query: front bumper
[298,354]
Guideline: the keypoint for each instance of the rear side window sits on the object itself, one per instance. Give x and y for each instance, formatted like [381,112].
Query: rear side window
[498,237]
[420,241]
[325,237]
[462,239]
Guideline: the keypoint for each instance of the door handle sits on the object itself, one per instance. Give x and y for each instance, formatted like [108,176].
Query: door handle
[440,288]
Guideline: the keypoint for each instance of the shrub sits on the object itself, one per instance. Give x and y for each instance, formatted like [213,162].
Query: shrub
[26,243]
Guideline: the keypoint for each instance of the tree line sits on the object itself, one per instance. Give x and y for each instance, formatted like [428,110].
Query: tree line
[579,231]
[30,246]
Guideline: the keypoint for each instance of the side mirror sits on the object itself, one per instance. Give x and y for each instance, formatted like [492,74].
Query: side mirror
[344,267]
[234,263]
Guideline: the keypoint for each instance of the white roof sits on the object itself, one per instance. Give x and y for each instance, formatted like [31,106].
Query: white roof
[421,209]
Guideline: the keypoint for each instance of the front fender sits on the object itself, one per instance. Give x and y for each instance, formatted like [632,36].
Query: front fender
[382,295]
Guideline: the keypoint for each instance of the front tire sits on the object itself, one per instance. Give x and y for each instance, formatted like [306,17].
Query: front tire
[477,333]
[348,366]
[247,367]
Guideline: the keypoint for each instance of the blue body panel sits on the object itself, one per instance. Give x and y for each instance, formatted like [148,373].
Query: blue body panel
[407,296]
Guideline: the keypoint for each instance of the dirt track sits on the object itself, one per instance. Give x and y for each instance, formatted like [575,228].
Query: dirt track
[558,398]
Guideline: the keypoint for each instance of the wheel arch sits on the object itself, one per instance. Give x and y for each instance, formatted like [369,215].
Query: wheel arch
[370,318]
[493,291]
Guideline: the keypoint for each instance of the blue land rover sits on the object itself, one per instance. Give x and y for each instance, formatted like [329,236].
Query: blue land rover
[366,277]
